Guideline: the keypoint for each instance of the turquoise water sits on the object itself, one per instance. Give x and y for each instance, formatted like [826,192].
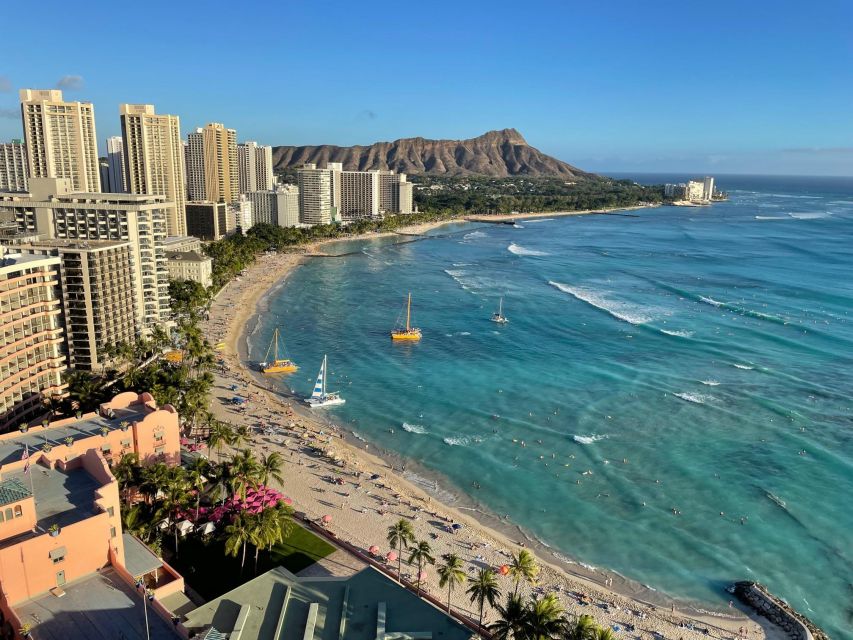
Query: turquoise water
[696,360]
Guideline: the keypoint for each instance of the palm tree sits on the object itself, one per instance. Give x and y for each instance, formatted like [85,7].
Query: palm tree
[221,434]
[197,472]
[238,533]
[270,468]
[604,633]
[153,479]
[583,628]
[511,621]
[523,567]
[421,553]
[175,496]
[400,535]
[244,472]
[484,588]
[263,531]
[545,617]
[450,574]
[126,472]
[241,436]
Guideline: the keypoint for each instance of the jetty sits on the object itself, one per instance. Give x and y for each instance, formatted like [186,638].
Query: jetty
[795,625]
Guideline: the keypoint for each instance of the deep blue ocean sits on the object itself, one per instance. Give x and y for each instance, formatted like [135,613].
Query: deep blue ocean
[682,380]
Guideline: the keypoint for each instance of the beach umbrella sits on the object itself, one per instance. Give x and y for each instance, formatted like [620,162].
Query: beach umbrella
[327,518]
[422,575]
[373,550]
[391,556]
[503,570]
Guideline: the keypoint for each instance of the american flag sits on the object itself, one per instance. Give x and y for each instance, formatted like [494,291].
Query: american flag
[26,458]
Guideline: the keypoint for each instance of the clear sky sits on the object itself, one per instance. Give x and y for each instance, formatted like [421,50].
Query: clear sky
[734,86]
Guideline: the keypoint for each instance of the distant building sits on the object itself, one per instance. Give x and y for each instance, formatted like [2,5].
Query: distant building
[255,167]
[315,195]
[241,211]
[212,164]
[13,166]
[708,188]
[60,138]
[181,243]
[31,358]
[208,220]
[190,265]
[695,191]
[98,303]
[279,207]
[52,209]
[154,162]
[115,166]
[674,190]
[368,194]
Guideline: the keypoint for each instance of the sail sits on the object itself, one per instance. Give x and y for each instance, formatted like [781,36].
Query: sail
[319,385]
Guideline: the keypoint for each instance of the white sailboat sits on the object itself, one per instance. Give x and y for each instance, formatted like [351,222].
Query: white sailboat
[499,316]
[320,397]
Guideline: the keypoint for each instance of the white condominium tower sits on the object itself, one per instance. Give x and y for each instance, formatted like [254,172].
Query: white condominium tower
[13,166]
[154,159]
[60,138]
[115,166]
[255,167]
[212,167]
[315,195]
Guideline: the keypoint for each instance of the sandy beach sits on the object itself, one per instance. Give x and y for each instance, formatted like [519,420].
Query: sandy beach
[362,509]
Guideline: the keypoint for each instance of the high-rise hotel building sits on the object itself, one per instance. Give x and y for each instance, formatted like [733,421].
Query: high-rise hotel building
[60,138]
[31,359]
[115,167]
[212,165]
[315,195]
[154,159]
[255,167]
[13,166]
[53,210]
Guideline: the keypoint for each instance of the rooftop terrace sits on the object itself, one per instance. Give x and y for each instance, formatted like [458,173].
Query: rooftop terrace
[12,448]
[99,607]
[61,498]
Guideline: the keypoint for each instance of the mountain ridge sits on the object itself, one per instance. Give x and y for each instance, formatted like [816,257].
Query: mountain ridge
[498,153]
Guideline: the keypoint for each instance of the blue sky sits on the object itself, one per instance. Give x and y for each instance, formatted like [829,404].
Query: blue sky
[620,85]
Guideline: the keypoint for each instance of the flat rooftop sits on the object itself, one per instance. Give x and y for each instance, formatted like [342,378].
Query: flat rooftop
[61,498]
[360,607]
[11,449]
[98,607]
[138,559]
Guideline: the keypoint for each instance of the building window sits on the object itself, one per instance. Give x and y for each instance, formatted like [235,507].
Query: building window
[112,532]
[1,517]
[18,511]
[9,513]
[159,450]
[111,511]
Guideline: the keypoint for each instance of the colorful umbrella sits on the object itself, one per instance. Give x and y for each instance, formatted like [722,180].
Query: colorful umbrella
[504,569]
[391,556]
[374,550]
[327,519]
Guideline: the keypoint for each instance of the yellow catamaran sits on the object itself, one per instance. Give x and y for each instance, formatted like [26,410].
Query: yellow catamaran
[410,332]
[278,364]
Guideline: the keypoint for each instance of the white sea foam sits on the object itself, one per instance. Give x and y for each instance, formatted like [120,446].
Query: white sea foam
[537,220]
[619,310]
[696,398]
[772,218]
[593,437]
[463,264]
[459,276]
[464,333]
[810,215]
[457,441]
[521,251]
[711,383]
[517,226]
[473,235]
[746,367]
[711,301]
[678,334]
[414,428]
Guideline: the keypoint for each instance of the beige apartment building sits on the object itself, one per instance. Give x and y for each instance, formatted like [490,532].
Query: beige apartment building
[315,195]
[13,166]
[212,150]
[60,138]
[98,305]
[255,167]
[31,359]
[154,159]
[54,211]
[190,265]
[209,220]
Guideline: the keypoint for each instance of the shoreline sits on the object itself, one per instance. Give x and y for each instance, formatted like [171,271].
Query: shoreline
[236,321]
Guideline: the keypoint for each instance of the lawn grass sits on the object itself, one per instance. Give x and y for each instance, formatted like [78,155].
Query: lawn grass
[209,571]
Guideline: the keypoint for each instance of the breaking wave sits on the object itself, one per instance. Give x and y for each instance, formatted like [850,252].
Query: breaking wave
[695,398]
[619,310]
[521,251]
[474,234]
[414,428]
[678,334]
[593,437]
[711,383]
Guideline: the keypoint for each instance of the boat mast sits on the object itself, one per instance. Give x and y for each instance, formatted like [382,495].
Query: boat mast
[409,312]
[324,377]
[501,308]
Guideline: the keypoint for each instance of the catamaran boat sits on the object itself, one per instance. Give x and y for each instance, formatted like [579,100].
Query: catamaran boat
[277,364]
[409,333]
[320,397]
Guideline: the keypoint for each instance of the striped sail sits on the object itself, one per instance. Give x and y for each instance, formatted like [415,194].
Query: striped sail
[319,386]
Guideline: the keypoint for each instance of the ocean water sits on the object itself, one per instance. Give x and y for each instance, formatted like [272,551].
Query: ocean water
[682,380]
